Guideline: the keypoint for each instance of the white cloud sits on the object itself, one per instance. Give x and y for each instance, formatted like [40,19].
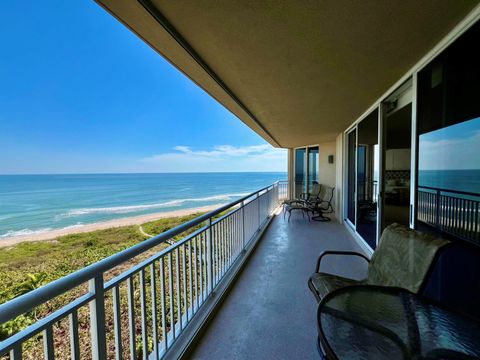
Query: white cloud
[455,153]
[219,158]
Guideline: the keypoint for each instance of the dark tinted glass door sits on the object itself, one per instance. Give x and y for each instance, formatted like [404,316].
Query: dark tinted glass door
[312,167]
[397,124]
[351,167]
[300,172]
[367,178]
[448,192]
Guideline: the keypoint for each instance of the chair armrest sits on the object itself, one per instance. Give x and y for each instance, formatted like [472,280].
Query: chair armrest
[330,252]
[298,201]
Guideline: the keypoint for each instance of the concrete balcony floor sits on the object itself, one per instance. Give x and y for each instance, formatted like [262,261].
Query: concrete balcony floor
[270,312]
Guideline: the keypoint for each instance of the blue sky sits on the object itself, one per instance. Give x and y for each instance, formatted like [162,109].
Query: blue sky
[80,93]
[451,148]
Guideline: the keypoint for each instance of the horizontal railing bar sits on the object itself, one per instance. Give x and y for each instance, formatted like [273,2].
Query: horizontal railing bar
[42,324]
[28,301]
[450,191]
[230,213]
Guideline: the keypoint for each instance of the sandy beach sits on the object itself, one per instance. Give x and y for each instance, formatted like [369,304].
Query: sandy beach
[127,221]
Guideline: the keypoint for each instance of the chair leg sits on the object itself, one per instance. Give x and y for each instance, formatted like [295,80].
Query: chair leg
[320,350]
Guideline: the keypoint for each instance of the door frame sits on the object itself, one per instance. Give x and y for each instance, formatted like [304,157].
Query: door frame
[354,127]
[406,93]
[306,162]
[346,172]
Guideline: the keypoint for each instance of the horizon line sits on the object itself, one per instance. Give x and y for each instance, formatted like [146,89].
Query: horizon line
[145,173]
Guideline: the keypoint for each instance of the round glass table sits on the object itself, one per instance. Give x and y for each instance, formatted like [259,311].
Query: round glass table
[373,322]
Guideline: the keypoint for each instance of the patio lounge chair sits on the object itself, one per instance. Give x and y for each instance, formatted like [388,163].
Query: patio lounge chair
[325,198]
[311,197]
[403,259]
[303,200]
[314,195]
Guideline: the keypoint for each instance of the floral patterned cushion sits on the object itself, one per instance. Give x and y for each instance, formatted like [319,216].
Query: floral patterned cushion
[325,283]
[403,258]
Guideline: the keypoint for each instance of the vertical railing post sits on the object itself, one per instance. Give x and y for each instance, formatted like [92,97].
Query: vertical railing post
[209,257]
[258,210]
[97,318]
[276,198]
[243,226]
[437,210]
[277,195]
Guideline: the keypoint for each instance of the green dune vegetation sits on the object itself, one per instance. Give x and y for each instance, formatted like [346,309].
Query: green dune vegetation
[29,265]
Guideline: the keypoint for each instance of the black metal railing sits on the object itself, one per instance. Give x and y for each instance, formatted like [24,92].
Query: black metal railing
[451,211]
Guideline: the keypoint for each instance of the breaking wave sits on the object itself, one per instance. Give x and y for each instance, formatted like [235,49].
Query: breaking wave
[26,232]
[134,208]
[13,233]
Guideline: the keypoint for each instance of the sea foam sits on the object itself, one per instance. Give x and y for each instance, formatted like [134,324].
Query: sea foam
[134,208]
[23,232]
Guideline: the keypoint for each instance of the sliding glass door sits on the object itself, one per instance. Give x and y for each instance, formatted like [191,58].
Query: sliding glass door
[448,192]
[300,171]
[306,169]
[397,153]
[351,175]
[367,178]
[312,167]
[416,159]
[362,178]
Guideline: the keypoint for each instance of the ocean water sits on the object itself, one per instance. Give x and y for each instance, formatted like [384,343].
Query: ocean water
[460,180]
[36,203]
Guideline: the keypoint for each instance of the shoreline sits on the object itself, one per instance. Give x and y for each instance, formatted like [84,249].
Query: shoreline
[126,221]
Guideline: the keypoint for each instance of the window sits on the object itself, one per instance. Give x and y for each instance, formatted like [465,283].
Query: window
[306,169]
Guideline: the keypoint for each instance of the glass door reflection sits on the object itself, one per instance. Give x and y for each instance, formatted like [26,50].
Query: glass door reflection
[351,163]
[397,123]
[312,167]
[300,172]
[367,178]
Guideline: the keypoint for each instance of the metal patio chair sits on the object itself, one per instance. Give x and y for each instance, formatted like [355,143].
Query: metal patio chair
[314,195]
[325,198]
[304,199]
[403,259]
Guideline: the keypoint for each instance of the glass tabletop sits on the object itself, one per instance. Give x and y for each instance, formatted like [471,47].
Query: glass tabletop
[373,322]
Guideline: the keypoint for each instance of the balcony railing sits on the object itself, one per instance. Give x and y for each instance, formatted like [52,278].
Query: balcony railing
[454,212]
[282,190]
[155,300]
